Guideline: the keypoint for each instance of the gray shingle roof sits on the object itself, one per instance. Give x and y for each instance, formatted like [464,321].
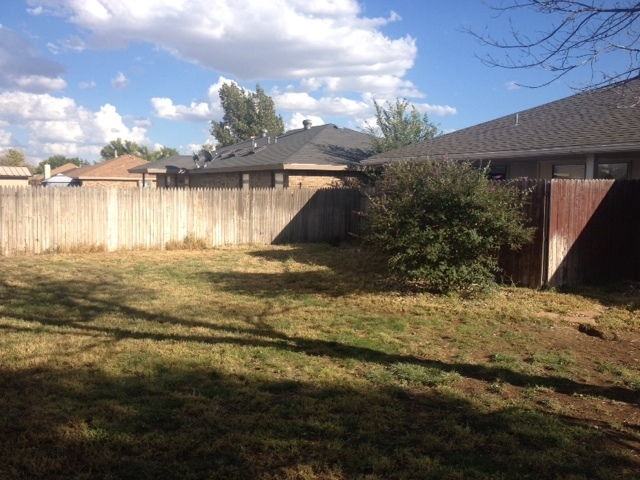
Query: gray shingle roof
[598,121]
[324,147]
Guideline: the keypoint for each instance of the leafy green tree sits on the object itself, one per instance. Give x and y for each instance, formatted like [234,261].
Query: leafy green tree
[56,161]
[245,115]
[13,158]
[441,224]
[399,125]
[163,152]
[118,148]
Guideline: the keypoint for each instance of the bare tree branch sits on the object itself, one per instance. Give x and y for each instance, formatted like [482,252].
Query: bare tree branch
[580,34]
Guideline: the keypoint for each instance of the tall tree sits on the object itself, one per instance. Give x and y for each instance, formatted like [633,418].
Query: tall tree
[13,158]
[399,125]
[56,161]
[580,34]
[245,115]
[163,152]
[117,148]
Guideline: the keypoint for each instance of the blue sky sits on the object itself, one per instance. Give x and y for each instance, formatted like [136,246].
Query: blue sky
[75,74]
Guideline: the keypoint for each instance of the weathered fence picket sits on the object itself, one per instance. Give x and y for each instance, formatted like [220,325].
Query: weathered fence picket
[586,230]
[37,220]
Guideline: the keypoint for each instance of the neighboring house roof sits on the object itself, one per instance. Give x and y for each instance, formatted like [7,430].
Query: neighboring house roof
[61,169]
[60,180]
[14,172]
[602,120]
[174,162]
[326,147]
[114,169]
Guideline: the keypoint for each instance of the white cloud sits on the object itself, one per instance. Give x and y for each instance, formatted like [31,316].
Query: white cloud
[324,106]
[195,112]
[296,105]
[56,125]
[73,43]
[120,81]
[297,118]
[209,109]
[23,69]
[6,139]
[437,110]
[513,85]
[85,85]
[38,83]
[287,39]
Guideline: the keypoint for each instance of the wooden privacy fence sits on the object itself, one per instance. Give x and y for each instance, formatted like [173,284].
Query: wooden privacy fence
[594,231]
[36,220]
[586,230]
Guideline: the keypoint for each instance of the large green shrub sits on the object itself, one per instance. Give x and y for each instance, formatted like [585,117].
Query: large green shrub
[441,223]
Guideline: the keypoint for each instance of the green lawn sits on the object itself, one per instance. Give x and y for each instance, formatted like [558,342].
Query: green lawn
[303,362]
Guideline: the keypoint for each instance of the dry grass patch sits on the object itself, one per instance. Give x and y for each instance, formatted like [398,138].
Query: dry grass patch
[299,362]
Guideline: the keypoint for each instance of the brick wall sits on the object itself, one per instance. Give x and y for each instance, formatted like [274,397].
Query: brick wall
[302,179]
[111,183]
[261,179]
[213,180]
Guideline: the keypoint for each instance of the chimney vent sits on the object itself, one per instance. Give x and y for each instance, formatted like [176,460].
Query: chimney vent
[306,124]
[263,133]
[47,171]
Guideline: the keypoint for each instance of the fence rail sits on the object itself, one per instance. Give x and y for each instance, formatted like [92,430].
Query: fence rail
[37,220]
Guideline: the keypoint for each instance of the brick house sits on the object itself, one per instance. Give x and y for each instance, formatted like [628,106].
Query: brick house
[595,134]
[111,173]
[310,157]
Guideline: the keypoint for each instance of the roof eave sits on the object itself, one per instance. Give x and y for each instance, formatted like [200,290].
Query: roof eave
[573,150]
[275,166]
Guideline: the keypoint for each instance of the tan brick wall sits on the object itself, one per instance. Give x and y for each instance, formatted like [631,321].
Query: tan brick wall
[112,183]
[212,180]
[301,179]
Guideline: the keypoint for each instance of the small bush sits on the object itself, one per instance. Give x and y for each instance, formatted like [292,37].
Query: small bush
[442,223]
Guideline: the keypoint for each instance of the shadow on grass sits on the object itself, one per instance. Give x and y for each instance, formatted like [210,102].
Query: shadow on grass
[195,422]
[79,304]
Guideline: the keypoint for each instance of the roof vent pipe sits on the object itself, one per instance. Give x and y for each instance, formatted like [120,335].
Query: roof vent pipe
[306,124]
[47,171]
[263,133]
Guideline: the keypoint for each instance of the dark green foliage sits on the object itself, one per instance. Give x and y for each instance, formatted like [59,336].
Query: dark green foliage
[397,127]
[442,223]
[245,114]
[56,161]
[118,148]
[13,158]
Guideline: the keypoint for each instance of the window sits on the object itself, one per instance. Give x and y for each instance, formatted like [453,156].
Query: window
[167,181]
[278,179]
[245,180]
[569,171]
[498,172]
[613,171]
